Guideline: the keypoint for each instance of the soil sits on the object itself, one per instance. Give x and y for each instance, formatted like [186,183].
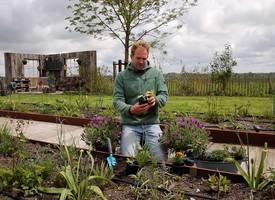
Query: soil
[191,186]
[246,123]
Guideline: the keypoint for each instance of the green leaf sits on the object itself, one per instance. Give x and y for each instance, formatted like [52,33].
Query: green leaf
[68,175]
[64,192]
[261,165]
[97,191]
[244,174]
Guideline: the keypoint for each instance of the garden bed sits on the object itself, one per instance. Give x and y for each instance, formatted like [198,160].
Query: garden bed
[193,187]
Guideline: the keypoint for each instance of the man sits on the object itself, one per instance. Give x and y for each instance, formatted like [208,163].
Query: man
[140,122]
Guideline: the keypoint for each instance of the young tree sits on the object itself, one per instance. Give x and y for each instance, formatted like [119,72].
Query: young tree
[222,67]
[128,20]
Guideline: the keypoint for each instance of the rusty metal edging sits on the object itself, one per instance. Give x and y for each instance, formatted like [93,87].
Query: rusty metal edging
[239,137]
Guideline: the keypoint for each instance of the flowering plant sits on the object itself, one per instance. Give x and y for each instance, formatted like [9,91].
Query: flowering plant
[179,158]
[186,134]
[99,129]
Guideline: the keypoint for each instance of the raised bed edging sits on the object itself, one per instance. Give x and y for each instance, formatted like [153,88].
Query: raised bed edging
[234,137]
[77,121]
[217,135]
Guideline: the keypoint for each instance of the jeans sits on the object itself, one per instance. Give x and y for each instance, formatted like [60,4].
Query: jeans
[134,136]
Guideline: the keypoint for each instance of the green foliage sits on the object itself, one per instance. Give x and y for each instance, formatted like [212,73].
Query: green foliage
[166,117]
[222,67]
[188,135]
[219,184]
[78,180]
[177,104]
[142,99]
[150,182]
[127,20]
[228,154]
[143,158]
[242,110]
[6,140]
[105,172]
[218,155]
[233,124]
[254,176]
[272,180]
[82,103]
[213,115]
[99,129]
[9,105]
[66,108]
[238,153]
[179,158]
[28,177]
[6,179]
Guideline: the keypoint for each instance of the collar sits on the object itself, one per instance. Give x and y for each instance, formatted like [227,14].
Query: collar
[146,67]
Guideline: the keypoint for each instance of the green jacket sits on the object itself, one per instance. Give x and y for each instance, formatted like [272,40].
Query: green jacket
[129,84]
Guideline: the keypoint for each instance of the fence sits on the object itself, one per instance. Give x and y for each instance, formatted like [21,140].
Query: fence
[238,85]
[201,85]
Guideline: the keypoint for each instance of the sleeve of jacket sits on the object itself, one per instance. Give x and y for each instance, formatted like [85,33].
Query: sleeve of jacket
[119,97]
[162,91]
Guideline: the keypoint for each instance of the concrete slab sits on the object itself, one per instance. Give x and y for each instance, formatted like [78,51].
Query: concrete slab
[48,132]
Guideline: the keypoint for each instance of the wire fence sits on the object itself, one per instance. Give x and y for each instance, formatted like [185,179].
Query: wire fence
[256,85]
[238,85]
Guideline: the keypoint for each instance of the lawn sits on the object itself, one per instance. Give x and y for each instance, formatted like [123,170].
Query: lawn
[257,106]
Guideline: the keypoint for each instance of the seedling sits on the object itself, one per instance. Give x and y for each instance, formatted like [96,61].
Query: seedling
[142,99]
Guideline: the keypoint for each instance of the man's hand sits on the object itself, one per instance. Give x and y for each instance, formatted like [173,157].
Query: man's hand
[137,108]
[151,100]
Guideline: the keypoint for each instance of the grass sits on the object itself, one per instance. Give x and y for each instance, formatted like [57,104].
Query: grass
[256,106]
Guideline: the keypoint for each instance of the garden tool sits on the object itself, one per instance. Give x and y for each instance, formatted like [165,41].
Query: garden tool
[110,159]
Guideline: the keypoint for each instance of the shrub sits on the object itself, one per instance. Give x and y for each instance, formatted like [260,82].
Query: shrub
[186,134]
[99,129]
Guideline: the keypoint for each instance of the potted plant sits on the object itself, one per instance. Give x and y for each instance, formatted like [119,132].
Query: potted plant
[143,158]
[188,135]
[99,129]
[222,159]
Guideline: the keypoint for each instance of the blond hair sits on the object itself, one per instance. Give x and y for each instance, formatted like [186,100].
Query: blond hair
[139,43]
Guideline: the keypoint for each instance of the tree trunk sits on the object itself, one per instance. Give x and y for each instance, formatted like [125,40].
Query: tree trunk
[126,50]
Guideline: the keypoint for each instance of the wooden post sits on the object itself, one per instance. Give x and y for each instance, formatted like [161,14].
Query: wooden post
[119,65]
[114,70]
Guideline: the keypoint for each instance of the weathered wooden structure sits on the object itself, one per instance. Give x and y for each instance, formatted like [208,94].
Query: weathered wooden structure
[53,64]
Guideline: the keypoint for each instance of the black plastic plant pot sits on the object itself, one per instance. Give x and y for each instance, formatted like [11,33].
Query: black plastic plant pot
[178,169]
[101,147]
[131,169]
[221,166]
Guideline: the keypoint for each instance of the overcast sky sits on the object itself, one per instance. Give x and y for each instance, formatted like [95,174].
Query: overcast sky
[38,26]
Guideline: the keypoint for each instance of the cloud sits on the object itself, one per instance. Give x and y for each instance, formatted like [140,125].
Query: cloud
[34,26]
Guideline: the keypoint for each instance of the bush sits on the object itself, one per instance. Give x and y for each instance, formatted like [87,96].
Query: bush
[99,129]
[186,134]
